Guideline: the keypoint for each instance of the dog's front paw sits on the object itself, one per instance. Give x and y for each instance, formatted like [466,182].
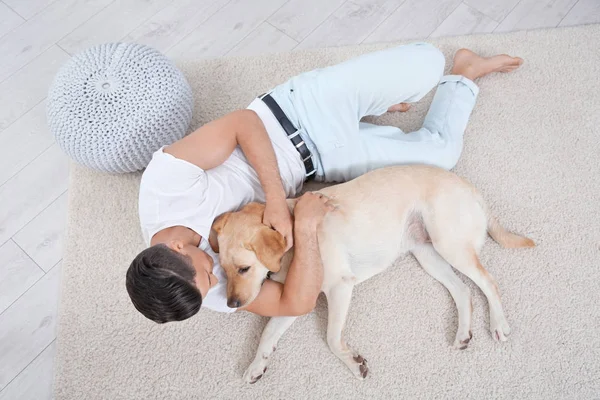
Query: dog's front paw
[254,372]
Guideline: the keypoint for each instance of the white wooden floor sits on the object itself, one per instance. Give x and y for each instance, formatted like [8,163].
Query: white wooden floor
[37,36]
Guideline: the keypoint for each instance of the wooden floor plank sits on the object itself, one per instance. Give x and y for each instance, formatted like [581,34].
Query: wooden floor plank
[33,189]
[28,326]
[42,238]
[174,22]
[535,14]
[35,36]
[350,24]
[225,29]
[464,21]
[18,273]
[35,382]
[584,12]
[263,40]
[414,19]
[26,88]
[111,24]
[298,18]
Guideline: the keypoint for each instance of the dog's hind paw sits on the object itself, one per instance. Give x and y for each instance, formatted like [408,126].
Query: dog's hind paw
[499,329]
[462,340]
[254,373]
[359,367]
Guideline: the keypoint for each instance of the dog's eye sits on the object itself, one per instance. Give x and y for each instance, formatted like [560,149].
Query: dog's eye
[243,270]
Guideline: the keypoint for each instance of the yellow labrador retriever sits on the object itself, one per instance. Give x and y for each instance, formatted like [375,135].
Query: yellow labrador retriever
[437,216]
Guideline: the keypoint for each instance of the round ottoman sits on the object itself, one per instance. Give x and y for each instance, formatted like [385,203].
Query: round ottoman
[112,106]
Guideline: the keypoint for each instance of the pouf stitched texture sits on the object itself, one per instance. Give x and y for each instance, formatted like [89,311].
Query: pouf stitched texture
[112,106]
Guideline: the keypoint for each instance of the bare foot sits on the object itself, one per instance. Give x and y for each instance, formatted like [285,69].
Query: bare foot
[473,66]
[402,107]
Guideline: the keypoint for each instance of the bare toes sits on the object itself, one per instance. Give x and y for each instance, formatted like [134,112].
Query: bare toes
[504,63]
[514,63]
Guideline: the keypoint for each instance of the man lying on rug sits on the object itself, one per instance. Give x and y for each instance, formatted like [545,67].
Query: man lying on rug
[306,128]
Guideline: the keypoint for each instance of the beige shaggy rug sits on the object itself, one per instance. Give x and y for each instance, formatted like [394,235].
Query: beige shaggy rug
[532,147]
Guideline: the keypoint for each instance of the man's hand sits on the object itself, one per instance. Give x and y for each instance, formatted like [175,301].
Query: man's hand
[310,210]
[277,216]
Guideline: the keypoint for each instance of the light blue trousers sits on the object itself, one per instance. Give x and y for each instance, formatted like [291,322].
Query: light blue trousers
[327,106]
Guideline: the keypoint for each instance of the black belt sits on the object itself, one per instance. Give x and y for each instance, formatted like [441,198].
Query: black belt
[292,133]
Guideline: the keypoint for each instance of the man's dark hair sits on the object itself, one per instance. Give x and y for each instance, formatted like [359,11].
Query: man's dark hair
[160,283]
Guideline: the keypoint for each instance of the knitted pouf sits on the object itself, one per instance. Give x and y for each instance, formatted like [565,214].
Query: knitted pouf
[112,106]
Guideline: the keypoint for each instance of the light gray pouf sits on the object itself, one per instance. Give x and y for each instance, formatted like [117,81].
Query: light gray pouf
[112,106]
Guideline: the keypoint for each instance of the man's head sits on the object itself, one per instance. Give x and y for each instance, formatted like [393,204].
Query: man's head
[166,282]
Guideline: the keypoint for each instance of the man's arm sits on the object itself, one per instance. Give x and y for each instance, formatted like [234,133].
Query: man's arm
[209,146]
[298,296]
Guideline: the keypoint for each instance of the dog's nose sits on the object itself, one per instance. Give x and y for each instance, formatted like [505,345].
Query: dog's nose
[233,303]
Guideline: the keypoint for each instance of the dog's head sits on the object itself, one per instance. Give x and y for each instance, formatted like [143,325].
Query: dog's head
[248,252]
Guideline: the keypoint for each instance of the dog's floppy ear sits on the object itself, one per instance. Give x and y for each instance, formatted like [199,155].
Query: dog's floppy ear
[269,247]
[216,229]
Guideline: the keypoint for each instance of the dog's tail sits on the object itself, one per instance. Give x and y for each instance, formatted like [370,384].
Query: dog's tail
[506,238]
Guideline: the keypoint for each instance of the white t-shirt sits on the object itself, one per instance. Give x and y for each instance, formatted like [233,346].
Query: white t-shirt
[175,192]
